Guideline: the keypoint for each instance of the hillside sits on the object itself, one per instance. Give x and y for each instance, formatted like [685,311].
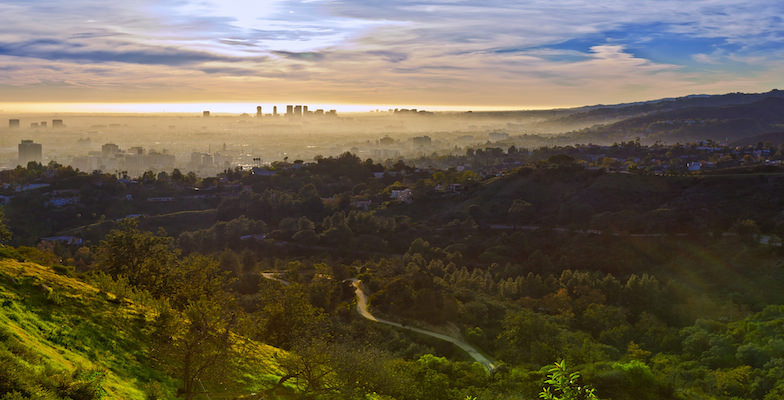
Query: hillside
[628,110]
[62,338]
[718,122]
[576,118]
[774,138]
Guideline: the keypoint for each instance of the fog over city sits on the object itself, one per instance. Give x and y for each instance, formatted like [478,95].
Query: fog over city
[208,143]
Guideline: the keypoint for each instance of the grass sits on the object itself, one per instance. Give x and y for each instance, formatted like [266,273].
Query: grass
[173,223]
[64,338]
[65,325]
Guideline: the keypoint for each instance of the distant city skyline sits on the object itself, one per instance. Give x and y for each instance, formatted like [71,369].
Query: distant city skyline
[219,108]
[362,55]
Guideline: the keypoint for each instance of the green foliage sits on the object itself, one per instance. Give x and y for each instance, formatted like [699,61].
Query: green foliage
[5,234]
[325,369]
[220,236]
[144,258]
[195,345]
[286,315]
[531,336]
[564,385]
[520,211]
[63,339]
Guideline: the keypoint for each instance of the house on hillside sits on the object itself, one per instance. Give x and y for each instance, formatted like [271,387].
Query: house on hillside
[402,195]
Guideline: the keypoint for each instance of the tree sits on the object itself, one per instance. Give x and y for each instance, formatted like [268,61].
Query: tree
[476,214]
[5,234]
[520,212]
[144,258]
[326,369]
[148,177]
[177,176]
[195,345]
[561,160]
[563,385]
[531,336]
[286,316]
[196,277]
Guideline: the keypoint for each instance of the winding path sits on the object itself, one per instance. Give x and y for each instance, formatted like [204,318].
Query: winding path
[362,308]
[275,276]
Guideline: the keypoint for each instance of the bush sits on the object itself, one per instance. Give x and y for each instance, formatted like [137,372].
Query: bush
[565,385]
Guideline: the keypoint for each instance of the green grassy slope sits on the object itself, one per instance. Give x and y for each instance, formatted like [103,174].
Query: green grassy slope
[63,338]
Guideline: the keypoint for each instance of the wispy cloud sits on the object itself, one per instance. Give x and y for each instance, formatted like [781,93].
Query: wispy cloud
[372,51]
[57,50]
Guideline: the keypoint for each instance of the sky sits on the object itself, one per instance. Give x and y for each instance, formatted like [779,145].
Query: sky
[441,53]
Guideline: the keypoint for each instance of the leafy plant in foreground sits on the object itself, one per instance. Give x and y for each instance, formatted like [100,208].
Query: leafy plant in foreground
[563,385]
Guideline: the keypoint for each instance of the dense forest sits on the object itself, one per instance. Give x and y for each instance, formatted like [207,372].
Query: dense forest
[245,285]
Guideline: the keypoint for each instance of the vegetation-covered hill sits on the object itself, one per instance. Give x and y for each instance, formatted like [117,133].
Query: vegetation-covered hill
[628,110]
[61,338]
[731,122]
[619,115]
[653,286]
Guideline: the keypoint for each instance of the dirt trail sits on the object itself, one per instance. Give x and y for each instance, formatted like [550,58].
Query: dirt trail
[472,351]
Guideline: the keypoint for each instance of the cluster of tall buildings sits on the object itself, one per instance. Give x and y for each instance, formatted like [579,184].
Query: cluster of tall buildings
[14,123]
[292,111]
[134,160]
[298,111]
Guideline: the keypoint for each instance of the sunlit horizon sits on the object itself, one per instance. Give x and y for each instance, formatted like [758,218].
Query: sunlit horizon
[234,109]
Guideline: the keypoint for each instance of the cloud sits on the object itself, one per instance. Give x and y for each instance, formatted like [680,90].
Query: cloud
[494,51]
[302,56]
[52,49]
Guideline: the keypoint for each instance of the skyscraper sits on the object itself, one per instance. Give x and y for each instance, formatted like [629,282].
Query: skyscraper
[258,111]
[30,151]
[289,111]
[305,110]
[274,111]
[57,123]
[109,148]
[13,123]
[205,113]
[297,111]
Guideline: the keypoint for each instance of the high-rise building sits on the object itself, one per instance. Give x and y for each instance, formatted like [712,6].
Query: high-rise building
[201,160]
[109,148]
[258,111]
[57,123]
[205,113]
[30,151]
[305,110]
[297,111]
[34,124]
[43,124]
[274,111]
[289,111]
[13,123]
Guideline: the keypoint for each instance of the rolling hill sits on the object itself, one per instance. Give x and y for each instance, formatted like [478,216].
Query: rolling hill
[62,338]
[729,122]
